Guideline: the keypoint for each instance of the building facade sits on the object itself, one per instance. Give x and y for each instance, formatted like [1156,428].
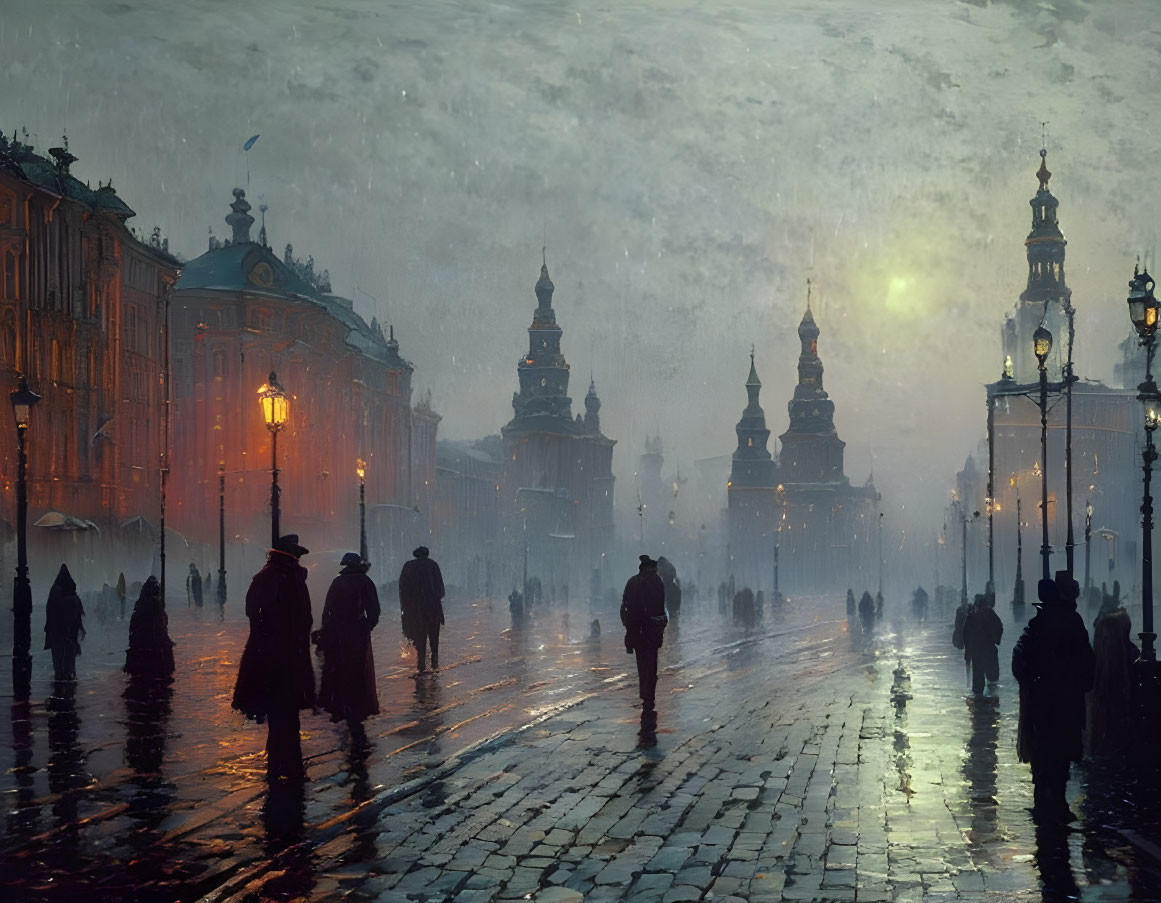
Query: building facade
[83,312]
[239,313]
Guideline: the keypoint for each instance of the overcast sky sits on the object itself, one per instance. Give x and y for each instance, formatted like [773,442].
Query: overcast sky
[691,164]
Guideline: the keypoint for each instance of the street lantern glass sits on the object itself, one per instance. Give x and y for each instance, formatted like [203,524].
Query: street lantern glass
[275,404]
[23,400]
[1152,413]
[1143,306]
[361,469]
[1042,344]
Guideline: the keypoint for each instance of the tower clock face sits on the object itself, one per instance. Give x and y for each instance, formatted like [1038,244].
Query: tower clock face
[262,274]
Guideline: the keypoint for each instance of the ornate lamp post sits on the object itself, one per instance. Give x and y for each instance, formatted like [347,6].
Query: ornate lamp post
[361,470]
[222,536]
[1087,548]
[1018,589]
[23,401]
[276,411]
[1042,347]
[1143,312]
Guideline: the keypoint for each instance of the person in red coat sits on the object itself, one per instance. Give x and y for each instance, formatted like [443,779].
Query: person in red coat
[348,672]
[275,677]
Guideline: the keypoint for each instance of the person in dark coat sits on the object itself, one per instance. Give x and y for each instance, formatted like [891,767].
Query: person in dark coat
[64,625]
[668,574]
[982,632]
[348,673]
[193,586]
[852,606]
[643,614]
[121,594]
[275,677]
[867,612]
[150,652]
[516,604]
[1053,663]
[421,604]
[1110,714]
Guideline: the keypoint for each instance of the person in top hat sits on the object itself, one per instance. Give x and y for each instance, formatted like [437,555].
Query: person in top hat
[348,673]
[64,625]
[644,617]
[275,676]
[1053,663]
[421,604]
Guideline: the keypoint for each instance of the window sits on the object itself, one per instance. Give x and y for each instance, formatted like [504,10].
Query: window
[131,328]
[54,361]
[219,364]
[8,342]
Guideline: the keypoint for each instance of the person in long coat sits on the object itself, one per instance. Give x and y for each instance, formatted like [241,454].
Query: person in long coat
[668,574]
[1110,716]
[150,652]
[64,625]
[982,632]
[643,614]
[275,676]
[193,585]
[348,672]
[1053,663]
[421,594]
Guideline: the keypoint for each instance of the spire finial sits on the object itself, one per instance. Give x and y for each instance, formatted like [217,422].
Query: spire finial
[751,352]
[1042,173]
[808,293]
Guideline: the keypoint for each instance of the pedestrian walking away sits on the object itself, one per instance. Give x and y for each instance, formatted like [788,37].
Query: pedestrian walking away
[150,652]
[64,625]
[1110,712]
[982,632]
[348,672]
[668,574]
[275,677]
[421,594]
[1053,663]
[193,586]
[643,614]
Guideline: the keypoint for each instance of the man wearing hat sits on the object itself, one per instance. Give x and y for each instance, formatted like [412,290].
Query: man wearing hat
[275,676]
[421,604]
[1053,663]
[643,614]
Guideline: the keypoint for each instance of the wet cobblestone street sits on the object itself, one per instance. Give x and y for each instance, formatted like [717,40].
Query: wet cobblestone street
[798,760]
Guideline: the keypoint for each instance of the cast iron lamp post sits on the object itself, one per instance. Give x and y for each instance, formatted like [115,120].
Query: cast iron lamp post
[1143,312]
[276,411]
[222,536]
[23,400]
[1042,347]
[361,470]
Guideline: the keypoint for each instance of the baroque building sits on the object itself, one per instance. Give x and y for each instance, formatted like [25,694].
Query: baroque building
[557,487]
[802,502]
[83,305]
[241,312]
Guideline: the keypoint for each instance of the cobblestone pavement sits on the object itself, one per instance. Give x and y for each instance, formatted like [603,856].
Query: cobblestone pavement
[799,761]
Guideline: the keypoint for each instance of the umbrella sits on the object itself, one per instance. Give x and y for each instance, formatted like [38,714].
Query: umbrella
[55,520]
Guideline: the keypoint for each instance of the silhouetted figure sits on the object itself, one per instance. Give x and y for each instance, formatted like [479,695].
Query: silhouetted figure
[982,632]
[222,596]
[919,604]
[1110,714]
[516,604]
[878,606]
[643,614]
[867,612]
[668,574]
[348,673]
[121,593]
[1053,663]
[275,677]
[193,586]
[852,606]
[595,629]
[961,616]
[150,652]
[421,594]
[64,625]
[744,605]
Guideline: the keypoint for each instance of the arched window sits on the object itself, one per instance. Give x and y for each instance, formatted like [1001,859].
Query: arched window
[8,342]
[10,267]
[219,364]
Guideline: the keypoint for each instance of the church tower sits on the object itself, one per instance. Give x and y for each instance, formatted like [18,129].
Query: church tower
[812,452]
[543,371]
[753,465]
[1046,295]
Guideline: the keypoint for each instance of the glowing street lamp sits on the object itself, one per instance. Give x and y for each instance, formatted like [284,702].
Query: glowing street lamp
[23,401]
[276,412]
[361,471]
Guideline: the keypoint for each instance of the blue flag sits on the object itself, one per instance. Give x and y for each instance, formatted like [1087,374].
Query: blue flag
[250,143]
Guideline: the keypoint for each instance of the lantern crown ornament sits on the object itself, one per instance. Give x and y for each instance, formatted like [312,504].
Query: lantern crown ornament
[23,401]
[1041,344]
[1143,307]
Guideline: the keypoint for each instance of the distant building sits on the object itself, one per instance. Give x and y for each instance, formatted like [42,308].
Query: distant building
[240,312]
[557,490]
[83,315]
[823,526]
[466,524]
